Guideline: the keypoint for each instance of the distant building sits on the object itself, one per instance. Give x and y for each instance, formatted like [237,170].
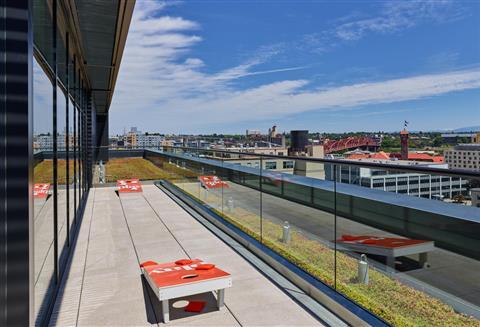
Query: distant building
[149,140]
[412,156]
[253,132]
[404,145]
[475,194]
[267,150]
[167,143]
[455,138]
[43,142]
[272,132]
[464,156]
[298,142]
[415,184]
[476,138]
[279,139]
[422,157]
[201,144]
[135,138]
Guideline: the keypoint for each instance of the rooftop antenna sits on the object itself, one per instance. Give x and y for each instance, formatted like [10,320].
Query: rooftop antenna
[405,124]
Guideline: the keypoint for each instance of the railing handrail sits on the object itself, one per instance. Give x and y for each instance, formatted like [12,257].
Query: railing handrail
[422,170]
[391,167]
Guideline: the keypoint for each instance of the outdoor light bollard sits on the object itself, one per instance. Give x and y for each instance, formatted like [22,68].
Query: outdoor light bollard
[101,174]
[363,270]
[286,233]
[230,204]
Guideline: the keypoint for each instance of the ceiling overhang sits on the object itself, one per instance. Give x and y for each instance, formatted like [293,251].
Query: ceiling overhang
[101,28]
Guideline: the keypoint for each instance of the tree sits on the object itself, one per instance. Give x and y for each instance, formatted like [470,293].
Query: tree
[459,198]
[437,141]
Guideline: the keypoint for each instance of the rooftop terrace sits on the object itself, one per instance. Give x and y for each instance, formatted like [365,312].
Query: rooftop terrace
[103,283]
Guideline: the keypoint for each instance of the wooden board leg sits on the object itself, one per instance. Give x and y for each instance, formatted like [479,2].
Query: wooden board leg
[391,264]
[220,298]
[165,311]
[422,259]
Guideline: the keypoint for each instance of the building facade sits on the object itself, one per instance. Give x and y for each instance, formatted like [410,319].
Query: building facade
[59,61]
[414,184]
[475,195]
[464,156]
[136,139]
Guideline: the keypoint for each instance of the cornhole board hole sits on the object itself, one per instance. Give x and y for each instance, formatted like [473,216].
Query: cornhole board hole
[129,185]
[389,247]
[40,191]
[173,280]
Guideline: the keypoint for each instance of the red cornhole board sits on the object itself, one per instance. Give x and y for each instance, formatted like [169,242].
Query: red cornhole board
[129,185]
[212,182]
[389,247]
[40,190]
[172,280]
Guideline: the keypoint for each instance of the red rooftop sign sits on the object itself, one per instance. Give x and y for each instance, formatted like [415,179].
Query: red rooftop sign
[40,191]
[210,182]
[129,185]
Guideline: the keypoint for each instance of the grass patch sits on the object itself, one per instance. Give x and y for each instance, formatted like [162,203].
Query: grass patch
[126,168]
[143,169]
[43,172]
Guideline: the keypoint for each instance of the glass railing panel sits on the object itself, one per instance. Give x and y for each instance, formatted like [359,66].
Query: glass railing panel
[410,258]
[240,187]
[297,214]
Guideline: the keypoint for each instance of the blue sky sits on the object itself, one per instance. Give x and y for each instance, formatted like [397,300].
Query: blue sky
[327,66]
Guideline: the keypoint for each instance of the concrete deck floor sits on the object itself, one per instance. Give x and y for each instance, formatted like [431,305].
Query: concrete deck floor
[103,284]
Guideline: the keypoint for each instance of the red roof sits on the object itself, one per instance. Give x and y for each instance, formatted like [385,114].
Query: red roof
[411,156]
[419,157]
[377,155]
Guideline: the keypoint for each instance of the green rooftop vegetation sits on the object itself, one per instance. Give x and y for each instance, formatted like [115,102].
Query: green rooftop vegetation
[126,168]
[397,303]
[43,171]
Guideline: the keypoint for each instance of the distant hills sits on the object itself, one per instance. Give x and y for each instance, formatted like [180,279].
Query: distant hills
[467,129]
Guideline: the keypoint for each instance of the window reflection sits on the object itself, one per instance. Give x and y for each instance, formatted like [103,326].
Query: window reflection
[71,159]
[62,139]
[43,188]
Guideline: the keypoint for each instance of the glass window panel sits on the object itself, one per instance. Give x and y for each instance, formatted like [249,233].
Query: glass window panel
[61,56]
[42,29]
[62,174]
[43,199]
[80,145]
[71,157]
[78,154]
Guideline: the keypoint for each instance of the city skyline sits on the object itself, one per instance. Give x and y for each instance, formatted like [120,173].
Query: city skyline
[210,67]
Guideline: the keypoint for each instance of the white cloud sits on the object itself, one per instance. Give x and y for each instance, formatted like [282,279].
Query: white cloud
[165,24]
[288,97]
[162,87]
[400,15]
[392,17]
